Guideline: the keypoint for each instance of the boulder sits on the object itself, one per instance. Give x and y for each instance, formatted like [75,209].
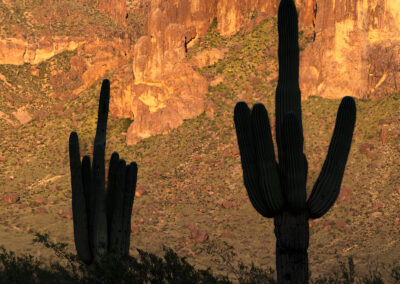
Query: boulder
[22,115]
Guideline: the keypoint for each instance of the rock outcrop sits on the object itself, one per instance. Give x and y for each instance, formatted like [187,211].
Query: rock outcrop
[18,51]
[166,89]
[356,50]
[96,59]
[231,15]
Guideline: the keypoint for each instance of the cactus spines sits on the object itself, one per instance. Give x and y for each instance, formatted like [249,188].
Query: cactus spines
[102,220]
[279,190]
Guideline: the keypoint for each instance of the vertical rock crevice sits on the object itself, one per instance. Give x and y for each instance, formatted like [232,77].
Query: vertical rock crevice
[187,41]
[315,9]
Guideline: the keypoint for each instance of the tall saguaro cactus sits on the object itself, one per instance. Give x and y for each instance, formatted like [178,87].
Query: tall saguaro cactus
[102,220]
[279,190]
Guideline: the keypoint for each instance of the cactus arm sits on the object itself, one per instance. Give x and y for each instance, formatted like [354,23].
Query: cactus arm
[268,170]
[248,158]
[326,188]
[121,191]
[98,176]
[111,189]
[99,210]
[292,164]
[89,198]
[288,96]
[117,201]
[80,220]
[305,165]
[129,195]
[102,117]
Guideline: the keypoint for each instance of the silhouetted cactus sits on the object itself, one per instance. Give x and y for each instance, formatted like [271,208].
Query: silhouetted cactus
[279,191]
[102,221]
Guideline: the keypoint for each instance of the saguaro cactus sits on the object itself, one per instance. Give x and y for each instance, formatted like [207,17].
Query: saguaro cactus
[102,220]
[279,190]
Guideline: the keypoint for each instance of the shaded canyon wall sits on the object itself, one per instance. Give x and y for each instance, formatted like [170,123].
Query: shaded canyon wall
[354,50]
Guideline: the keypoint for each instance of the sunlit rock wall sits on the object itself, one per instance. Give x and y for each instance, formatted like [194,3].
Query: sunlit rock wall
[356,50]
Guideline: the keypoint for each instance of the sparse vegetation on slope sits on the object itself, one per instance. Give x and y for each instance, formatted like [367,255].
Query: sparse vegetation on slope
[193,174]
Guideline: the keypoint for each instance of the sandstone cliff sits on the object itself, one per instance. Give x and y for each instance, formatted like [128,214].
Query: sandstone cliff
[166,89]
[349,37]
[356,50]
[20,50]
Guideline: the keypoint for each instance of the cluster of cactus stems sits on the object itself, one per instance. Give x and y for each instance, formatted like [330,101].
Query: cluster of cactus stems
[279,190]
[102,219]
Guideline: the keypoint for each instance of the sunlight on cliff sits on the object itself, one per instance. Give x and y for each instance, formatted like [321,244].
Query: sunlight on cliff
[394,7]
[342,46]
[154,103]
[392,18]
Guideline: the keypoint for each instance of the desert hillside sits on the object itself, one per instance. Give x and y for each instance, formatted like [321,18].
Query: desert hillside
[177,69]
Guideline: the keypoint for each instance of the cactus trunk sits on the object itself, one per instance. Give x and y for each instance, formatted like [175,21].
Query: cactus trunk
[292,236]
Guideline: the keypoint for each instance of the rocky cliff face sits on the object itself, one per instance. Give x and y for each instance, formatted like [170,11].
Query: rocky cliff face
[231,15]
[166,89]
[96,59]
[21,50]
[356,50]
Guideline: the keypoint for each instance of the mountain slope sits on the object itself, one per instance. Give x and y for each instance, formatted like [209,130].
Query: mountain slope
[191,178]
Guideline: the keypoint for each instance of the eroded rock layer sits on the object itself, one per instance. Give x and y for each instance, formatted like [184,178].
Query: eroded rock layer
[166,89]
[356,51]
